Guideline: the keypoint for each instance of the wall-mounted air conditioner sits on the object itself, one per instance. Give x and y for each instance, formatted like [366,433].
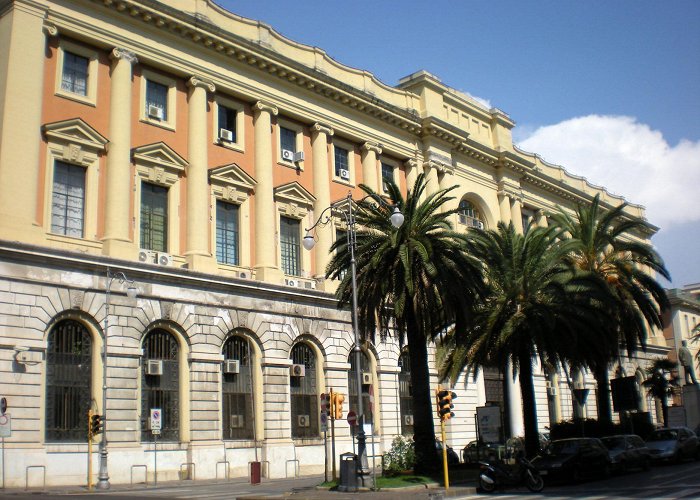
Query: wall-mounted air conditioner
[287,155]
[344,174]
[298,156]
[291,282]
[408,419]
[551,389]
[303,420]
[236,421]
[155,112]
[366,378]
[231,366]
[147,256]
[310,284]
[165,259]
[154,367]
[225,135]
[297,371]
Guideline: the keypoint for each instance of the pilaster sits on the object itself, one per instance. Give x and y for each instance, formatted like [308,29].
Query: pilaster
[411,173]
[516,213]
[324,236]
[370,150]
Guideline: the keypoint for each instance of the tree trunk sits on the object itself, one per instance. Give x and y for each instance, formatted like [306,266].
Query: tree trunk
[527,388]
[603,396]
[423,426]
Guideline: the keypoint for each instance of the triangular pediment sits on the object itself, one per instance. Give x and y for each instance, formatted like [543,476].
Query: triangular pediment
[234,176]
[159,154]
[75,131]
[296,193]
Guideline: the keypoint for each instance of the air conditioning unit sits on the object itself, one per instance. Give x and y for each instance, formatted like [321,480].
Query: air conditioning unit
[298,156]
[303,420]
[245,275]
[291,282]
[366,379]
[287,155]
[225,135]
[408,419]
[155,112]
[154,367]
[480,225]
[236,421]
[147,256]
[344,174]
[165,259]
[297,371]
[310,284]
[232,366]
[551,389]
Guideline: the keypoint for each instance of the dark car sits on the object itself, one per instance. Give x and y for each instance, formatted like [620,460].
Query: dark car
[477,451]
[627,451]
[674,444]
[574,459]
[452,457]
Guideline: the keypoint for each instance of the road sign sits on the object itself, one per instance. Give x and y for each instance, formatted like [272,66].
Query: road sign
[5,426]
[352,418]
[156,418]
[324,421]
[3,405]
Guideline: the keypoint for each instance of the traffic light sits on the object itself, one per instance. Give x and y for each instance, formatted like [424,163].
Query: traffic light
[338,406]
[95,424]
[444,404]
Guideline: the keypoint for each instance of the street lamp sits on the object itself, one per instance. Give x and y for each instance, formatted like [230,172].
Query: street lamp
[344,209]
[131,292]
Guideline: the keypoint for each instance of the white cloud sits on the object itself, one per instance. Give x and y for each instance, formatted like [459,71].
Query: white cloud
[628,158]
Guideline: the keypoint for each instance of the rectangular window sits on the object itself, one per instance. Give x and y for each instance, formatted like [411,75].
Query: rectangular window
[289,243]
[227,121]
[154,217]
[227,233]
[68,201]
[75,73]
[156,96]
[288,140]
[341,163]
[387,175]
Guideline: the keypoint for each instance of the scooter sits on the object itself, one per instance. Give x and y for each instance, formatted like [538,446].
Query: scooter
[498,474]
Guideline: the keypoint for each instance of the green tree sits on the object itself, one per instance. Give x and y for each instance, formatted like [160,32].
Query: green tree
[535,306]
[413,281]
[603,244]
[660,383]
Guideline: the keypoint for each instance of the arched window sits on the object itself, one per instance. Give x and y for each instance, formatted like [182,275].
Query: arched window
[68,379]
[303,391]
[367,386]
[469,215]
[237,390]
[405,394]
[160,384]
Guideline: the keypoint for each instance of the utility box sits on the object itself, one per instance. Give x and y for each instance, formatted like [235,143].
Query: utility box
[254,472]
[348,472]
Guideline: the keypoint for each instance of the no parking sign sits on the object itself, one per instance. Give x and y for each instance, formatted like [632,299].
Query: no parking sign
[156,419]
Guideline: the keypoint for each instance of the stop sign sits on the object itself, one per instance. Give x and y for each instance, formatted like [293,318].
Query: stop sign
[352,418]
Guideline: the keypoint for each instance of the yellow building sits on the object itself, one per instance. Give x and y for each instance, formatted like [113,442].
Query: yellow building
[185,148]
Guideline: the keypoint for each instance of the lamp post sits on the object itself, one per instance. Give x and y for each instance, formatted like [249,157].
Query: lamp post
[344,209]
[131,292]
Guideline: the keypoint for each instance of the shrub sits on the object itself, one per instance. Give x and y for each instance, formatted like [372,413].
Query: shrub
[401,456]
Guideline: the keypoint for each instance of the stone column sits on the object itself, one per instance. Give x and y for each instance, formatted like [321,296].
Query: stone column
[515,406]
[541,218]
[504,207]
[431,178]
[22,60]
[198,254]
[117,241]
[411,173]
[324,235]
[516,214]
[370,150]
[266,268]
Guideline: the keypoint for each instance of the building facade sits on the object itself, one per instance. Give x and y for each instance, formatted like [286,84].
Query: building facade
[185,148]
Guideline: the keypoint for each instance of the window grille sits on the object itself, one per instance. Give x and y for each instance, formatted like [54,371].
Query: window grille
[288,140]
[227,120]
[68,200]
[405,393]
[227,232]
[161,391]
[68,382]
[367,390]
[237,395]
[154,217]
[341,160]
[290,245]
[387,175]
[75,73]
[304,393]
[157,95]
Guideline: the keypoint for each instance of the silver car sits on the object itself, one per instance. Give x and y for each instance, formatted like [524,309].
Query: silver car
[673,444]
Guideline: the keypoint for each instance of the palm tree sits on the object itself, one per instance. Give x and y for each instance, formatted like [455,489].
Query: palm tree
[535,307]
[602,245]
[414,281]
[660,383]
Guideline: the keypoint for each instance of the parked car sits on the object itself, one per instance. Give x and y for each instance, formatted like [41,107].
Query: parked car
[627,451]
[574,459]
[477,451]
[452,457]
[673,443]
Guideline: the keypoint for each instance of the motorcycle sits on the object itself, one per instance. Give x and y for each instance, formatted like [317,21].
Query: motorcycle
[498,474]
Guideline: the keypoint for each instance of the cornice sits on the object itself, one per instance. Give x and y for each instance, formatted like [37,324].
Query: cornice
[478,152]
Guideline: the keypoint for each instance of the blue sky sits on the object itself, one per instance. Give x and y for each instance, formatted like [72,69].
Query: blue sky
[609,90]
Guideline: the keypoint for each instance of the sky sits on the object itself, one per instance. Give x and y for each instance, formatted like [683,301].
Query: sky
[610,90]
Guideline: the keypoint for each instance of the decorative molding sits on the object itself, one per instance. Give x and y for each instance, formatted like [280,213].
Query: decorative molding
[294,200]
[320,128]
[76,298]
[232,183]
[159,163]
[372,146]
[76,135]
[198,81]
[261,106]
[50,28]
[126,55]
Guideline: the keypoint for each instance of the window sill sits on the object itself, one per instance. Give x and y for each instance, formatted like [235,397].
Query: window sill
[234,146]
[81,99]
[73,240]
[342,181]
[289,164]
[161,124]
[314,441]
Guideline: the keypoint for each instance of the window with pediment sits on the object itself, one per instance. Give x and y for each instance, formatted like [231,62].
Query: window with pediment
[293,204]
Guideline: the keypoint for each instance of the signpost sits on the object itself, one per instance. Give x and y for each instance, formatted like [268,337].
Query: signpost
[156,422]
[352,418]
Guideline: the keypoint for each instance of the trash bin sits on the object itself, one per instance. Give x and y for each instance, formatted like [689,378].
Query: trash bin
[348,472]
[254,472]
